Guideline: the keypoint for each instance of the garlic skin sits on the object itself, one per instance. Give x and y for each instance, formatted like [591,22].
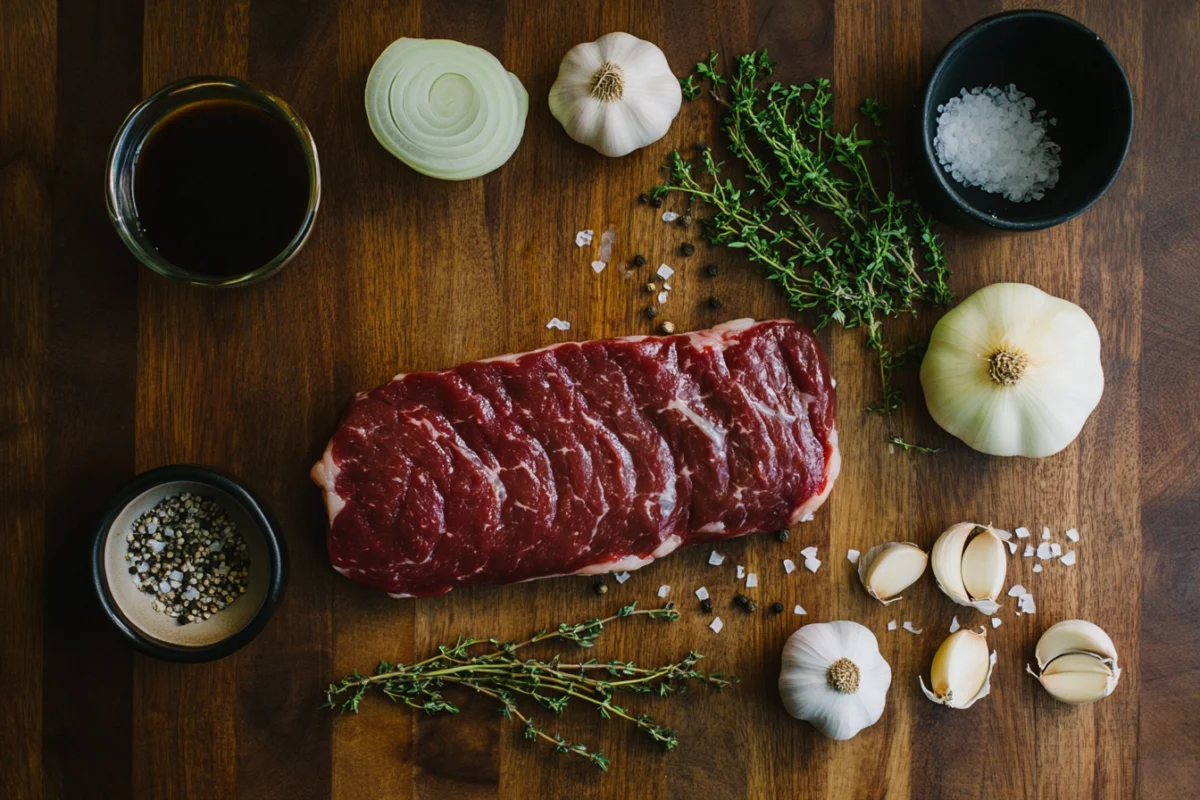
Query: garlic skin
[982,565]
[1013,371]
[962,670]
[615,94]
[1077,662]
[834,677]
[888,569]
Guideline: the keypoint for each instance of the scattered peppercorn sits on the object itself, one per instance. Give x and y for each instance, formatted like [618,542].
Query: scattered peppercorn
[687,248]
[601,587]
[706,605]
[701,148]
[711,270]
[667,327]
[784,534]
[777,607]
[643,198]
[656,202]
[740,599]
[651,312]
[714,302]
[685,221]
[639,261]
[751,606]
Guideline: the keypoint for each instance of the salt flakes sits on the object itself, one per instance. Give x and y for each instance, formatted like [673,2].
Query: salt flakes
[664,590]
[157,545]
[1025,602]
[807,517]
[1022,533]
[716,625]
[954,626]
[1016,591]
[812,564]
[558,324]
[1073,534]
[1044,552]
[809,552]
[1012,547]
[752,580]
[606,243]
[1068,558]
[908,626]
[664,272]
[669,216]
[741,572]
[662,298]
[852,556]
[1045,533]
[996,622]
[621,577]
[789,566]
[1055,549]
[584,238]
[1037,567]
[799,610]
[598,266]
[891,626]
[716,559]
[702,593]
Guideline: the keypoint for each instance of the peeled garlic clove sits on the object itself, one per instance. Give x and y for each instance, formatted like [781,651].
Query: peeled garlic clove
[1079,678]
[1074,636]
[962,670]
[888,569]
[1078,662]
[948,556]
[984,566]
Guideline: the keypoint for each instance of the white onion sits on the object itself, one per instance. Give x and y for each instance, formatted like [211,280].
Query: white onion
[447,109]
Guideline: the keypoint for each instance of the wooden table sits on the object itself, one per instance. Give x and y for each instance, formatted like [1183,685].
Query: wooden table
[108,370]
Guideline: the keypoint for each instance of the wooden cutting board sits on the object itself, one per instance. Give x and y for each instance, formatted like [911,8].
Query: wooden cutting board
[108,370]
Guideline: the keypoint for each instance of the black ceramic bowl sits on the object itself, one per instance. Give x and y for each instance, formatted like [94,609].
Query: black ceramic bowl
[130,609]
[1072,75]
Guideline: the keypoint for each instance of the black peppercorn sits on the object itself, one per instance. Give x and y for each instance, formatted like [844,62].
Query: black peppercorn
[714,302]
[751,606]
[656,202]
[777,607]
[651,312]
[601,587]
[784,534]
[687,248]
[685,220]
[740,599]
[711,270]
[706,605]
[639,261]
[643,198]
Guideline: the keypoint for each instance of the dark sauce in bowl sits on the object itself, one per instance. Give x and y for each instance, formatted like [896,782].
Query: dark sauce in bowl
[221,187]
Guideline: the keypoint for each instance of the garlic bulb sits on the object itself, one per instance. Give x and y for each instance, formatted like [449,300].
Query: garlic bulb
[834,677]
[1077,662]
[971,574]
[1013,371]
[962,670]
[615,94]
[888,569]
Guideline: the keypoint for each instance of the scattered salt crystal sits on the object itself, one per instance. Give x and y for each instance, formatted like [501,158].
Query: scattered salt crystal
[215,547]
[621,577]
[558,324]
[799,610]
[1029,551]
[995,622]
[892,625]
[606,243]
[175,575]
[811,564]
[1022,533]
[1073,534]
[662,298]
[157,546]
[191,593]
[667,286]
[664,590]
[1068,557]
[584,238]
[164,587]
[1043,551]
[669,216]
[144,566]
[833,382]
[852,556]
[954,626]
[716,559]
[1012,547]
[152,527]
[598,266]
[741,572]
[1016,591]
[789,566]
[702,593]
[664,272]
[809,552]
[908,626]
[716,625]
[1037,567]
[1055,549]
[1026,604]
[752,580]
[1045,533]
[807,517]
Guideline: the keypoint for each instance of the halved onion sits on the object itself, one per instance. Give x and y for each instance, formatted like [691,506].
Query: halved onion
[447,109]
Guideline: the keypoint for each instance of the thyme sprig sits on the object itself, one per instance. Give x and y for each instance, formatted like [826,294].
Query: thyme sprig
[500,674]
[874,256]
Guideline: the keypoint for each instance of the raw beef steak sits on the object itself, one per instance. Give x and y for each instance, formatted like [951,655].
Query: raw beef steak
[579,458]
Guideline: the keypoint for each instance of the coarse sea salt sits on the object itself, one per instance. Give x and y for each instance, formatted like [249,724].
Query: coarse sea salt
[789,566]
[809,552]
[669,216]
[908,626]
[1026,604]
[621,577]
[812,564]
[741,572]
[891,626]
[558,324]
[1037,567]
[1073,534]
[1022,533]
[799,610]
[1029,551]
[852,556]
[752,580]
[716,625]
[716,559]
[991,138]
[662,298]
[702,593]
[1044,552]
[1055,549]
[598,266]
[664,590]
[996,622]
[954,626]
[1045,533]
[664,271]
[606,243]
[1012,547]
[1068,558]
[584,238]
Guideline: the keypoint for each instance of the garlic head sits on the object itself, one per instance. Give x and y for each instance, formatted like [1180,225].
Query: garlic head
[1077,662]
[1013,371]
[888,569]
[615,94]
[970,565]
[834,677]
[962,670]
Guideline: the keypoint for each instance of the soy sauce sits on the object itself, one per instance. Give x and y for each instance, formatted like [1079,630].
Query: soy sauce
[221,187]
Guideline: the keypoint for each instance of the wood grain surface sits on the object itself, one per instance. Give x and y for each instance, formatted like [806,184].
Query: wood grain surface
[107,370]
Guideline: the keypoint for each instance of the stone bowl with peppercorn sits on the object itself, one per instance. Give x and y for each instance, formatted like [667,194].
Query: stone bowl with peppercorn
[187,564]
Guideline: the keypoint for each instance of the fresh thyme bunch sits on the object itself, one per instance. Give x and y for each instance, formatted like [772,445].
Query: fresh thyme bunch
[504,677]
[874,256]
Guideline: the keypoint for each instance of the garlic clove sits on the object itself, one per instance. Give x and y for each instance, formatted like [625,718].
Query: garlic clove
[1079,678]
[984,566]
[949,552]
[962,670]
[947,558]
[1074,636]
[888,569]
[1078,662]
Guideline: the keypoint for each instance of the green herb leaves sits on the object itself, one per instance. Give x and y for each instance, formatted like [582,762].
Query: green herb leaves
[551,684]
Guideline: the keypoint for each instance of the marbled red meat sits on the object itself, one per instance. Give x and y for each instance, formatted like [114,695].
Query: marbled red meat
[579,458]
